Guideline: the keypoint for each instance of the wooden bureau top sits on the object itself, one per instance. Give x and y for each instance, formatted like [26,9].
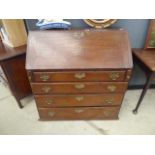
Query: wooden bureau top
[146,56]
[78,49]
[7,52]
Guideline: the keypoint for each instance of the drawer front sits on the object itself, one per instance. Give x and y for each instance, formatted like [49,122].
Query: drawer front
[71,88]
[78,100]
[79,76]
[85,113]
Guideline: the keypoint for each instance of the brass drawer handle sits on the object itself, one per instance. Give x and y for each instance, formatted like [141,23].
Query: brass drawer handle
[79,98]
[49,102]
[78,110]
[114,76]
[80,75]
[51,113]
[79,86]
[109,101]
[46,89]
[111,88]
[44,77]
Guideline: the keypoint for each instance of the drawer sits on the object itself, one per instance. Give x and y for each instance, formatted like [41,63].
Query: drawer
[78,100]
[85,113]
[85,87]
[78,76]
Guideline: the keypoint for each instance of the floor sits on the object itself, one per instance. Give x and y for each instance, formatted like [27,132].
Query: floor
[24,121]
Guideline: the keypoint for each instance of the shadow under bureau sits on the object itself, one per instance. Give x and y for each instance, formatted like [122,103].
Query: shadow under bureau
[79,74]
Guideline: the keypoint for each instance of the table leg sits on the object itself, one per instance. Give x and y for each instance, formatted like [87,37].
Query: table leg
[147,84]
[19,103]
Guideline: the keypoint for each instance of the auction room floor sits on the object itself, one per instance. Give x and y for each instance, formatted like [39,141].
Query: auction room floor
[25,121]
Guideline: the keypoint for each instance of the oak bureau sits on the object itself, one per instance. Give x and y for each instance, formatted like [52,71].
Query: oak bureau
[78,74]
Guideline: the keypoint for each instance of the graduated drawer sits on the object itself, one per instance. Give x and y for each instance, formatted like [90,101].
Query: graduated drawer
[85,87]
[78,76]
[84,113]
[78,100]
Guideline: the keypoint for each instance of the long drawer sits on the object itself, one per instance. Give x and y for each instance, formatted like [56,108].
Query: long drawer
[85,113]
[79,100]
[75,76]
[85,87]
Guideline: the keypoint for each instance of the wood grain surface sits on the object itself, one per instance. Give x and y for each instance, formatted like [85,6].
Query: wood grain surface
[78,49]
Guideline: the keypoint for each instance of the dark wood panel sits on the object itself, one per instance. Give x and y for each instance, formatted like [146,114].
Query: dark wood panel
[78,100]
[12,61]
[15,72]
[78,76]
[84,113]
[76,87]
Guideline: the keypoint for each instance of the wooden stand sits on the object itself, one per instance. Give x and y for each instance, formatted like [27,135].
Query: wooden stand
[12,62]
[145,59]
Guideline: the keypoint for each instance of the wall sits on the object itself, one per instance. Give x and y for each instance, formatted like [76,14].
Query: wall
[137,29]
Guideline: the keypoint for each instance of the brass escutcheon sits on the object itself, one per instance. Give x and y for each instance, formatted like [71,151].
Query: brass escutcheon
[46,89]
[51,113]
[79,98]
[29,77]
[109,101]
[79,86]
[80,75]
[114,76]
[79,110]
[44,77]
[49,102]
[111,88]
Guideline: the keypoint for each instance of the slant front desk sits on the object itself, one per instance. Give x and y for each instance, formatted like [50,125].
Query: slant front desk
[79,74]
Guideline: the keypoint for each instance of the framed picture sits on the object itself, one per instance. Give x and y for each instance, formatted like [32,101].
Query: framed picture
[150,39]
